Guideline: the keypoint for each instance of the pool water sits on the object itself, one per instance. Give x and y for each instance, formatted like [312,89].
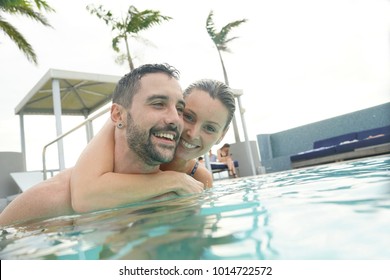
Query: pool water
[330,212]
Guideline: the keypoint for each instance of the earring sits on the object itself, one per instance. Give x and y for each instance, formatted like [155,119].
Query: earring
[119,125]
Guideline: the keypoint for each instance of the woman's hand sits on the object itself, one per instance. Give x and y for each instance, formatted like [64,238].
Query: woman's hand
[180,183]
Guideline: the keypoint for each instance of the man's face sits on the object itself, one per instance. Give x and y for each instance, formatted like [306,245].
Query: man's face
[154,120]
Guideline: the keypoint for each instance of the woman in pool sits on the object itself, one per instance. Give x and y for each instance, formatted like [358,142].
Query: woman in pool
[209,109]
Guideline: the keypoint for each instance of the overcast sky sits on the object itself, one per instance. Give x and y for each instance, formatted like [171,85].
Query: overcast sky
[296,61]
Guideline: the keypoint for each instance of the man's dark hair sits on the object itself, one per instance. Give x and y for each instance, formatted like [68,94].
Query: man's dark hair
[129,84]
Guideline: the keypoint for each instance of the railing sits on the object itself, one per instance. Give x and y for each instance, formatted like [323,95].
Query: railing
[52,171]
[86,121]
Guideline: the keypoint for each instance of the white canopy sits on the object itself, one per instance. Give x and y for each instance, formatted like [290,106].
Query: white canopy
[61,92]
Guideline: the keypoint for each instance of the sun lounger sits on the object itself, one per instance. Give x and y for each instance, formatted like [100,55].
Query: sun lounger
[217,167]
[343,147]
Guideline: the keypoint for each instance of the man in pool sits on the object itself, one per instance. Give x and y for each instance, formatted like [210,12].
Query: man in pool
[146,115]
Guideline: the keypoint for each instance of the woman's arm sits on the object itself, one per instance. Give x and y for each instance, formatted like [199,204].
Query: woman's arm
[95,186]
[220,155]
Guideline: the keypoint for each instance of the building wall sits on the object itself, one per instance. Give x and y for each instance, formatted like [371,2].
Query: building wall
[276,149]
[239,152]
[10,162]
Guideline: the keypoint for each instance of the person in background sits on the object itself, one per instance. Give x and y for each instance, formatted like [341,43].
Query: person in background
[212,157]
[225,156]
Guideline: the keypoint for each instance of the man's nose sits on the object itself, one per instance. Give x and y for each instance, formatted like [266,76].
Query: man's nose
[174,118]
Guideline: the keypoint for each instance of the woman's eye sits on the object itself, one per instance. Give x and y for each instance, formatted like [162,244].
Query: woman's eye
[180,110]
[210,128]
[188,117]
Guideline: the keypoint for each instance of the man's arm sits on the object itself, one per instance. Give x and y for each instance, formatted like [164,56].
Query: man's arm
[95,186]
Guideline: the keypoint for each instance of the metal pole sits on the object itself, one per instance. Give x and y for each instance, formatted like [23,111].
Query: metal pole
[89,130]
[248,146]
[58,113]
[88,126]
[207,162]
[23,140]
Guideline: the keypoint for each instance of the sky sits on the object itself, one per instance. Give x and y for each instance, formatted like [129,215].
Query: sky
[297,62]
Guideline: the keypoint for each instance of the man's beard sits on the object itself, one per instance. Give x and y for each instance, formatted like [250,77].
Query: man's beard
[139,141]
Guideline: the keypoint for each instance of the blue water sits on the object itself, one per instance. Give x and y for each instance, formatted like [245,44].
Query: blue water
[338,211]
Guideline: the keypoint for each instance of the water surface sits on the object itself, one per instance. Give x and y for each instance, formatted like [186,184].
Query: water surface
[337,211]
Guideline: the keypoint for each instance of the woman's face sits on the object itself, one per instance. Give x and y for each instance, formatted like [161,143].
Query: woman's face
[204,122]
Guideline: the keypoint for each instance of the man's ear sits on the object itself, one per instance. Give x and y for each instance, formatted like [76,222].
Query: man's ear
[116,113]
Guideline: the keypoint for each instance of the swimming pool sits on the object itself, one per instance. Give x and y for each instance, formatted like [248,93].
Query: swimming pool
[337,211]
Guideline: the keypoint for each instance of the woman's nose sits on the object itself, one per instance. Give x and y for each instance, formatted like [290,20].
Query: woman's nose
[192,131]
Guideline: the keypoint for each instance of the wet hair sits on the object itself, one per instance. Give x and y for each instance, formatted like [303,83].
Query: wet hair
[226,145]
[216,90]
[129,84]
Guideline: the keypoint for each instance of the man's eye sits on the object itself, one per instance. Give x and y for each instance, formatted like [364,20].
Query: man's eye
[158,105]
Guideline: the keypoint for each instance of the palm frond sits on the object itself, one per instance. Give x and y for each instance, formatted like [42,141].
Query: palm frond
[227,28]
[101,13]
[120,59]
[42,5]
[30,13]
[220,38]
[29,9]
[125,28]
[138,21]
[19,40]
[10,5]
[210,26]
[115,42]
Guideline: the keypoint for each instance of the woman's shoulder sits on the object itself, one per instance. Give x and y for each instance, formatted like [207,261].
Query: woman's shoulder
[204,175]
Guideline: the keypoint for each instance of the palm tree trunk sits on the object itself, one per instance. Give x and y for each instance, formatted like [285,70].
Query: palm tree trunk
[234,121]
[129,60]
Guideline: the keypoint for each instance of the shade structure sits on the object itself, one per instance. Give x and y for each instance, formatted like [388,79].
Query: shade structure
[62,92]
[80,93]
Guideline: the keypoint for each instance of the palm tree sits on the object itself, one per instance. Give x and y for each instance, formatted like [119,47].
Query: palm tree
[221,41]
[130,26]
[25,8]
